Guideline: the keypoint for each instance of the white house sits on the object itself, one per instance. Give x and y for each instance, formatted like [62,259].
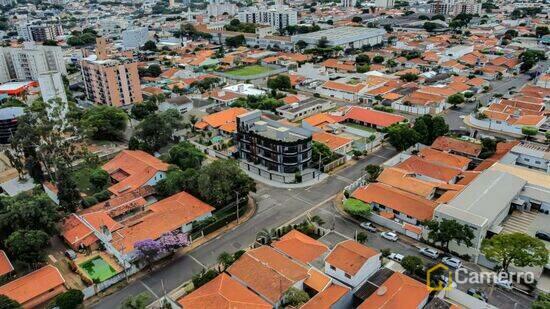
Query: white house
[352,263]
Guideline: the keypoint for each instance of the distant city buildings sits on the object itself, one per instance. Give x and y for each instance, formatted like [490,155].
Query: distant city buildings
[36,31]
[215,8]
[7,2]
[385,4]
[111,82]
[28,62]
[348,3]
[52,87]
[134,38]
[455,7]
[278,18]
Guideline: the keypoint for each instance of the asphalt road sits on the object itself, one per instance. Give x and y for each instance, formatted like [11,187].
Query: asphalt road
[276,207]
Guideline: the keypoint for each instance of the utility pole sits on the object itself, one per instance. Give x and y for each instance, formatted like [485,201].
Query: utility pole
[237,206]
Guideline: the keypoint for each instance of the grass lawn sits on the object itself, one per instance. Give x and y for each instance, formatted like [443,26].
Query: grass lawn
[360,127]
[357,208]
[249,70]
[82,179]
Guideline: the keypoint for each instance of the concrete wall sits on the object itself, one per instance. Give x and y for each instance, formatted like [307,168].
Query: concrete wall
[372,265]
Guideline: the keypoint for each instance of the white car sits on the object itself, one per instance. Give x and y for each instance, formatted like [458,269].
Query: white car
[369,227]
[389,236]
[504,283]
[452,262]
[445,280]
[429,252]
[396,257]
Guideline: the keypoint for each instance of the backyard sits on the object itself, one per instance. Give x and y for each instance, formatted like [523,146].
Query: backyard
[360,127]
[97,269]
[248,70]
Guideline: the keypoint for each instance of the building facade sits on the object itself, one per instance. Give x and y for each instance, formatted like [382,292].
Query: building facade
[455,7]
[134,38]
[385,4]
[348,3]
[278,18]
[51,86]
[111,82]
[36,31]
[29,62]
[271,144]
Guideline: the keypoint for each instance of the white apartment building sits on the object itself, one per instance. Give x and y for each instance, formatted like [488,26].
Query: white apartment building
[385,4]
[220,8]
[134,38]
[7,2]
[455,7]
[36,31]
[348,3]
[28,62]
[51,86]
[278,18]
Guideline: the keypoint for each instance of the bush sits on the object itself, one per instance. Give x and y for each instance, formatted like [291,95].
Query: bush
[203,277]
[357,208]
[385,252]
[89,201]
[70,299]
[102,195]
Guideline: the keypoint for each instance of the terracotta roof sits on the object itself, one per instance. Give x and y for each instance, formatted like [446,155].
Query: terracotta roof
[76,230]
[316,280]
[429,168]
[32,285]
[332,141]
[223,95]
[161,217]
[326,298]
[267,272]
[339,65]
[344,87]
[300,246]
[407,203]
[5,264]
[448,159]
[229,115]
[139,167]
[370,116]
[406,181]
[445,143]
[223,292]
[350,256]
[399,291]
[320,119]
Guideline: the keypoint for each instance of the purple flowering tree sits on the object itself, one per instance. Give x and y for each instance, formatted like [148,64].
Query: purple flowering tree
[148,249]
[171,242]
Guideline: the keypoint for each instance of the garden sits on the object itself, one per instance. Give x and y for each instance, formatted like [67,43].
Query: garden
[249,70]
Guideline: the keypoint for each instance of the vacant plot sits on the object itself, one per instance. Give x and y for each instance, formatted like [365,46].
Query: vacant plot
[249,70]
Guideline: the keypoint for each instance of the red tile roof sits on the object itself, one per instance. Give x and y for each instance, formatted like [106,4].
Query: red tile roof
[326,298]
[5,265]
[32,285]
[370,116]
[445,143]
[399,291]
[350,256]
[300,246]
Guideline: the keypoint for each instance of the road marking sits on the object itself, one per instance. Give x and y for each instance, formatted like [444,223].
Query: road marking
[345,179]
[52,258]
[199,262]
[309,210]
[149,289]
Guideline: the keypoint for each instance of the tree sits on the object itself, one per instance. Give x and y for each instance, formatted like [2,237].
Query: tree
[148,249]
[357,208]
[154,70]
[235,41]
[68,195]
[150,45]
[225,260]
[266,236]
[542,31]
[378,59]
[455,99]
[135,302]
[144,109]
[220,181]
[99,179]
[488,147]
[280,82]
[529,131]
[8,303]
[203,277]
[388,28]
[542,301]
[323,42]
[170,241]
[445,231]
[413,264]
[28,246]
[301,44]
[362,59]
[156,130]
[177,181]
[401,136]
[362,237]
[409,77]
[320,152]
[517,249]
[295,298]
[438,16]
[104,122]
[71,299]
[357,19]
[26,212]
[374,171]
[429,128]
[185,155]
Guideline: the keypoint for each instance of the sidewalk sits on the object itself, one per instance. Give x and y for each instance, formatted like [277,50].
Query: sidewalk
[251,210]
[278,184]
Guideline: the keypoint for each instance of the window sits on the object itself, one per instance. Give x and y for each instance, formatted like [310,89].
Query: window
[526,160]
[537,162]
[347,276]
[332,267]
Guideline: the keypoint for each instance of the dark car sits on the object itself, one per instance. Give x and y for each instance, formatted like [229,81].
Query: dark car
[543,235]
[477,294]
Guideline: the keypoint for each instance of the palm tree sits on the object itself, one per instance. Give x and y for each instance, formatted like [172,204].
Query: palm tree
[317,220]
[267,236]
[225,260]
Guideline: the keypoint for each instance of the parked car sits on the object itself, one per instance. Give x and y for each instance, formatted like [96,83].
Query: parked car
[543,235]
[429,252]
[369,227]
[452,262]
[70,254]
[389,236]
[477,294]
[504,283]
[446,281]
[396,257]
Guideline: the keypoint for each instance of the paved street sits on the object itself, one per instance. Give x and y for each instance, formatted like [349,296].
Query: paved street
[275,208]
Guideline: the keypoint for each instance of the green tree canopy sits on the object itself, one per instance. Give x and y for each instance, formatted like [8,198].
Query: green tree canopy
[413,264]
[446,231]
[455,99]
[28,246]
[150,45]
[517,249]
[71,299]
[156,130]
[144,109]
[279,82]
[8,303]
[377,59]
[28,211]
[429,128]
[185,155]
[99,179]
[68,195]
[401,136]
[295,297]
[529,131]
[104,122]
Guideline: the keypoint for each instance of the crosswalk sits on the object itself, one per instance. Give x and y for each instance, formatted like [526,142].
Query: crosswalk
[519,221]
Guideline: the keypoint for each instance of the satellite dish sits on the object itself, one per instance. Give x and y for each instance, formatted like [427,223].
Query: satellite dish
[382,290]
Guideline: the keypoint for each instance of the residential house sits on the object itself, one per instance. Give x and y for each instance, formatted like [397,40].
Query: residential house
[457,146]
[132,169]
[300,247]
[5,265]
[351,262]
[223,122]
[333,297]
[302,109]
[35,289]
[337,144]
[367,117]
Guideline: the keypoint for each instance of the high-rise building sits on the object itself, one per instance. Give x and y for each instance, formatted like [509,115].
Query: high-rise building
[51,86]
[348,3]
[134,38]
[278,18]
[39,32]
[112,82]
[385,4]
[28,62]
[7,2]
[220,8]
[455,7]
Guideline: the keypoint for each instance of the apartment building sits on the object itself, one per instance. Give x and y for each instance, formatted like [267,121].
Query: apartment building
[385,4]
[269,143]
[38,31]
[348,3]
[28,62]
[51,86]
[134,38]
[113,82]
[278,18]
[455,7]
